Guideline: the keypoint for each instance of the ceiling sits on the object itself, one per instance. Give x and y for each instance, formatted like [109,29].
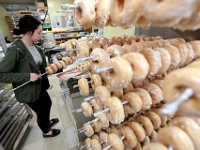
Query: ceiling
[7,2]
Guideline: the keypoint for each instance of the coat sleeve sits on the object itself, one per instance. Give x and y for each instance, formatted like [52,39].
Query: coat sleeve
[7,66]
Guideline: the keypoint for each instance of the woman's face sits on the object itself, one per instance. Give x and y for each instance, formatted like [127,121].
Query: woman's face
[37,34]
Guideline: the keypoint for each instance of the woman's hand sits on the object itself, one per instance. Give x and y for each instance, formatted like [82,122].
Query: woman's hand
[34,77]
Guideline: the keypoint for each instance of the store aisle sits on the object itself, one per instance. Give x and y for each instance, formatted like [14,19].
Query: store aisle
[34,140]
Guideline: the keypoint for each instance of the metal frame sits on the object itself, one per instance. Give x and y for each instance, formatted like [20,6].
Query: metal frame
[73,100]
[15,118]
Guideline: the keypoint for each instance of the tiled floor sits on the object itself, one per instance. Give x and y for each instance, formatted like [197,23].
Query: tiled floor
[35,141]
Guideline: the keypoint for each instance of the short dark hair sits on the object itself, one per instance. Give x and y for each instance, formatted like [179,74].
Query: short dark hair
[27,23]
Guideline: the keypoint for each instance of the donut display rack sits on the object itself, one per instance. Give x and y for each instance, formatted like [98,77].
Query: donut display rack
[118,99]
[133,92]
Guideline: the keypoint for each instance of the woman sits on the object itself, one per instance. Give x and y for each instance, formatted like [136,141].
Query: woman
[24,62]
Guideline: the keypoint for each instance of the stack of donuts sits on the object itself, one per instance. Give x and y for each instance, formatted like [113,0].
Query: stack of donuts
[132,90]
[138,131]
[134,133]
[61,64]
[187,77]
[181,133]
[133,66]
[84,47]
[181,14]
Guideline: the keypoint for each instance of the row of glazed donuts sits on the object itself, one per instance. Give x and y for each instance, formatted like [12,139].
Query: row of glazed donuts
[182,14]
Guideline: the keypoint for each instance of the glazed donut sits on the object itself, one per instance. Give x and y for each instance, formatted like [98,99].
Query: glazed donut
[116,109]
[104,42]
[70,44]
[131,38]
[138,147]
[128,110]
[194,64]
[95,106]
[100,55]
[95,81]
[54,68]
[138,130]
[154,60]
[103,94]
[97,126]
[129,49]
[154,136]
[196,48]
[85,66]
[82,46]
[139,65]
[175,137]
[182,47]
[146,140]
[155,119]
[124,13]
[128,88]
[146,122]
[94,43]
[115,141]
[114,130]
[197,120]
[143,22]
[164,118]
[134,100]
[189,108]
[102,13]
[65,59]
[158,82]
[85,14]
[130,140]
[190,127]
[104,121]
[115,41]
[95,145]
[121,73]
[83,87]
[73,58]
[155,92]
[49,70]
[193,22]
[103,136]
[88,143]
[63,64]
[114,50]
[171,15]
[70,60]
[190,55]
[175,41]
[58,65]
[154,146]
[118,93]
[177,79]
[175,56]
[88,130]
[166,60]
[145,96]
[87,109]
